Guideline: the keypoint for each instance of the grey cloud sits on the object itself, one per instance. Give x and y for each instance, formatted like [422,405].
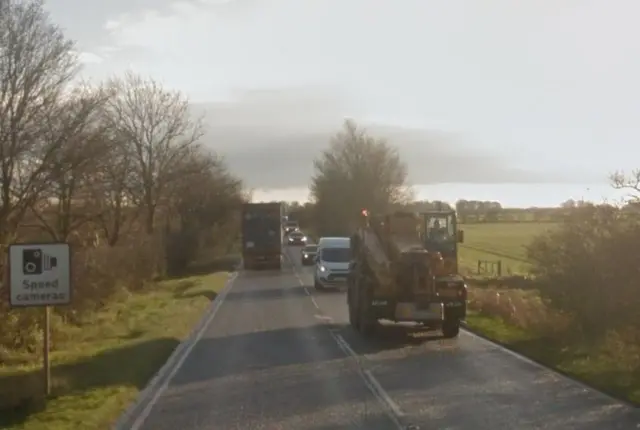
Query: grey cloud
[270,139]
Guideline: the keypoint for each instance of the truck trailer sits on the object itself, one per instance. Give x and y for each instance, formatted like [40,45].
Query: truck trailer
[262,235]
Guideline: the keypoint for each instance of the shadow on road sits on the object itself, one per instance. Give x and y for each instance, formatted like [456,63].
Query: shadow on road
[257,351]
[265,378]
[337,291]
[133,365]
[389,336]
[369,421]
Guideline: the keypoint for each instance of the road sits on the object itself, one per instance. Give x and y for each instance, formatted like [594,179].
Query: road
[279,355]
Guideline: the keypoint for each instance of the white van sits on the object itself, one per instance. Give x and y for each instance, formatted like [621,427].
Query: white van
[332,262]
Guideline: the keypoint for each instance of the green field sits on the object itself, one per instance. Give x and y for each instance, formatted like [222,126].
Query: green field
[503,241]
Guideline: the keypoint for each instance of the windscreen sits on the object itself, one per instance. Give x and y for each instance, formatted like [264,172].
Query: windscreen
[291,224]
[336,255]
[440,229]
[310,249]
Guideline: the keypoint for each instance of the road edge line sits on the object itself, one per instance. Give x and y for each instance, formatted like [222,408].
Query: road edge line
[161,379]
[585,386]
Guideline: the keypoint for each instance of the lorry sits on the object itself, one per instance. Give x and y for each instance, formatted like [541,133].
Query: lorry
[261,235]
[404,268]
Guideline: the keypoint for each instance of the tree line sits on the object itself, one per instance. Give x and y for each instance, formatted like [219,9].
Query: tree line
[118,169]
[468,211]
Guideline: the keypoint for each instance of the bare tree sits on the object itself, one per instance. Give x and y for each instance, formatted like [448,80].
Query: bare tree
[622,181]
[357,171]
[35,67]
[110,190]
[158,133]
[74,129]
[203,203]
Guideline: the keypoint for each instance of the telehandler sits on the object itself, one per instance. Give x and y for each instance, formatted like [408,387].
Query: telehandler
[404,268]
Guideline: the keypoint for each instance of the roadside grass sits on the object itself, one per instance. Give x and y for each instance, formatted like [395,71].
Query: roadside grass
[502,241]
[518,320]
[98,369]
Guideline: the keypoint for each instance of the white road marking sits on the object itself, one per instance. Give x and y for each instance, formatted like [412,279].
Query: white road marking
[189,345]
[394,412]
[313,300]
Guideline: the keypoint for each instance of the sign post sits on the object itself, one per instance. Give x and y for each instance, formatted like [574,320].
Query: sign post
[40,276]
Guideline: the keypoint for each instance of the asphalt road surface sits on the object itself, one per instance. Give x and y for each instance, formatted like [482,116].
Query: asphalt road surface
[279,355]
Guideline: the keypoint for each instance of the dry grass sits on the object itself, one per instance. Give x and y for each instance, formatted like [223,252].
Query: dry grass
[520,308]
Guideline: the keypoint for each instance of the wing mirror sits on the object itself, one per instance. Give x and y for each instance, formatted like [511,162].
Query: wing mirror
[460,236]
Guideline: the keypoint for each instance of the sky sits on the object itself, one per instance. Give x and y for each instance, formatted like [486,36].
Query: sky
[527,88]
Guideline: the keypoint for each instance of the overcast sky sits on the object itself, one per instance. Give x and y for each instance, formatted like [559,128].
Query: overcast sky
[546,85]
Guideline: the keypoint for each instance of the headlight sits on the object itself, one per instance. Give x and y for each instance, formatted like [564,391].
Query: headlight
[304,237]
[305,255]
[323,269]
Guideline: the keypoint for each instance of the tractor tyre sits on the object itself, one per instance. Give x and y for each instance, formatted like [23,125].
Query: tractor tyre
[366,324]
[450,328]
[353,311]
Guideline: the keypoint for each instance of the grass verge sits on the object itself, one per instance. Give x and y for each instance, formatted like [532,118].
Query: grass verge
[98,369]
[611,365]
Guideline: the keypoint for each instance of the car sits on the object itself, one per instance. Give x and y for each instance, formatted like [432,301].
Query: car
[296,238]
[290,227]
[332,262]
[308,255]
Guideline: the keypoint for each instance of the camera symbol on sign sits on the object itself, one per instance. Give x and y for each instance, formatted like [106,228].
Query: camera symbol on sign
[35,262]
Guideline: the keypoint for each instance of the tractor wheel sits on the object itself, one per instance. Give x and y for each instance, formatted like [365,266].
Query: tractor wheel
[366,324]
[451,328]
[353,311]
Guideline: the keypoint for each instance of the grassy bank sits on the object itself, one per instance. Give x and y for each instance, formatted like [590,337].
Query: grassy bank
[519,321]
[99,368]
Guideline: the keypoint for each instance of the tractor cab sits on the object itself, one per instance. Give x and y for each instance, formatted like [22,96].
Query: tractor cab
[440,234]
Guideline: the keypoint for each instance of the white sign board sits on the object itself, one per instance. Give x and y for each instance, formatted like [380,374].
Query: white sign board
[39,274]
